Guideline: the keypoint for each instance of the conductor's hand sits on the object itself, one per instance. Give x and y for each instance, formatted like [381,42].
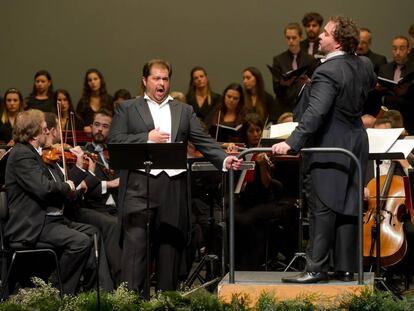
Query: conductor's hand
[281,148]
[156,136]
[234,162]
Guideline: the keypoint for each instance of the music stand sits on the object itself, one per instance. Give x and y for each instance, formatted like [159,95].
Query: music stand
[148,156]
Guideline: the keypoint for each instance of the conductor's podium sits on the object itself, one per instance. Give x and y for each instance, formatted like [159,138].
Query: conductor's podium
[254,284]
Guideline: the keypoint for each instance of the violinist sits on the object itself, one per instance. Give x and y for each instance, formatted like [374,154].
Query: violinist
[76,172]
[99,204]
[36,198]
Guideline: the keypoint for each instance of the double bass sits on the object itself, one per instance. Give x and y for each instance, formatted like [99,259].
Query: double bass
[393,244]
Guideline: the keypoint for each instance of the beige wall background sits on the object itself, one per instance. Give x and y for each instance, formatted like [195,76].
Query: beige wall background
[67,37]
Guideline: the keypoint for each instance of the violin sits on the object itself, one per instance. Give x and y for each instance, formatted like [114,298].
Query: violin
[393,245]
[52,154]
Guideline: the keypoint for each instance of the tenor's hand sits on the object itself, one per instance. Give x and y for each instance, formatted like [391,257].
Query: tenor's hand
[234,162]
[281,148]
[157,136]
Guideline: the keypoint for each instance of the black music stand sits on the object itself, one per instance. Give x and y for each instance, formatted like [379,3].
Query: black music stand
[378,157]
[148,156]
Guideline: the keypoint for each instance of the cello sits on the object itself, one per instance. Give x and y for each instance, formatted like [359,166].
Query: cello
[393,245]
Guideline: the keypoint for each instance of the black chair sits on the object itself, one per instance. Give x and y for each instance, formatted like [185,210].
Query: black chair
[19,249]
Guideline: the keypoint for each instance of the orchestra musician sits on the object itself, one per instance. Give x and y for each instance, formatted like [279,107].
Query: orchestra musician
[35,200]
[76,172]
[332,118]
[99,202]
[157,118]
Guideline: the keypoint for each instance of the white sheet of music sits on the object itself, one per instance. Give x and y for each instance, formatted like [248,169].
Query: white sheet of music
[381,140]
[282,130]
[403,145]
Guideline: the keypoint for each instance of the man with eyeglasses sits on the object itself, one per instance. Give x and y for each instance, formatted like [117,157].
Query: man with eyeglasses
[35,200]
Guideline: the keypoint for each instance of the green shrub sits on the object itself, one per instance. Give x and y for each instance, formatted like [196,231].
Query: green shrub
[44,297]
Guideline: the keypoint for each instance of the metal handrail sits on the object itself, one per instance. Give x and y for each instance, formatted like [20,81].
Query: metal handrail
[304,150]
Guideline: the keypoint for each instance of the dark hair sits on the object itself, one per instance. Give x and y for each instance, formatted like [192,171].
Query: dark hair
[402,38]
[310,17]
[87,92]
[295,26]
[103,111]
[346,33]
[122,93]
[4,115]
[51,120]
[67,95]
[240,107]
[411,30]
[146,70]
[383,120]
[28,124]
[261,108]
[49,77]
[366,30]
[13,90]
[395,117]
[249,120]
[191,87]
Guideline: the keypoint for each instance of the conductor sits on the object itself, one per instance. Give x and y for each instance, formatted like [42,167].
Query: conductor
[332,118]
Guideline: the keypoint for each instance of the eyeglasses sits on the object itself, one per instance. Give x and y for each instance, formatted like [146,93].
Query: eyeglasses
[45,130]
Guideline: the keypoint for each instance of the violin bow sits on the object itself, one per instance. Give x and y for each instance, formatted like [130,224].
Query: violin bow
[72,125]
[65,172]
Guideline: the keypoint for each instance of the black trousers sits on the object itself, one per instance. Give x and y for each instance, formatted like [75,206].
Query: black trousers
[332,239]
[168,216]
[107,223]
[76,248]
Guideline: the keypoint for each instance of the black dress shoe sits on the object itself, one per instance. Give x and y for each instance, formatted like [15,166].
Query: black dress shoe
[308,278]
[344,276]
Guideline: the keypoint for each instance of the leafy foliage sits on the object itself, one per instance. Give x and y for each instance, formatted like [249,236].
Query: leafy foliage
[45,297]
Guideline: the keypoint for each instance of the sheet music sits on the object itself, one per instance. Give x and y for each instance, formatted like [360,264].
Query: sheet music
[282,130]
[381,140]
[403,145]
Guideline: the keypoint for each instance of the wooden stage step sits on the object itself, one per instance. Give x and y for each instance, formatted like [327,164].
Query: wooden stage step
[255,283]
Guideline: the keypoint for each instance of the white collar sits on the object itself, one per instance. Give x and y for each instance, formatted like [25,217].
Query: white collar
[335,53]
[166,100]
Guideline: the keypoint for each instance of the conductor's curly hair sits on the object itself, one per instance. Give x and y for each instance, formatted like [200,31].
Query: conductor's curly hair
[346,33]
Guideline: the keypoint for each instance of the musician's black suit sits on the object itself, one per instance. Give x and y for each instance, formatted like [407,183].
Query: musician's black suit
[32,192]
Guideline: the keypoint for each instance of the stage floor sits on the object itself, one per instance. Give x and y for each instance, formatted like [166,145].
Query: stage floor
[256,283]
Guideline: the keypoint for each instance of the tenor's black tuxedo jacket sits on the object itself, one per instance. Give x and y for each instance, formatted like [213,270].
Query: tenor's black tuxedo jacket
[30,190]
[133,121]
[332,118]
